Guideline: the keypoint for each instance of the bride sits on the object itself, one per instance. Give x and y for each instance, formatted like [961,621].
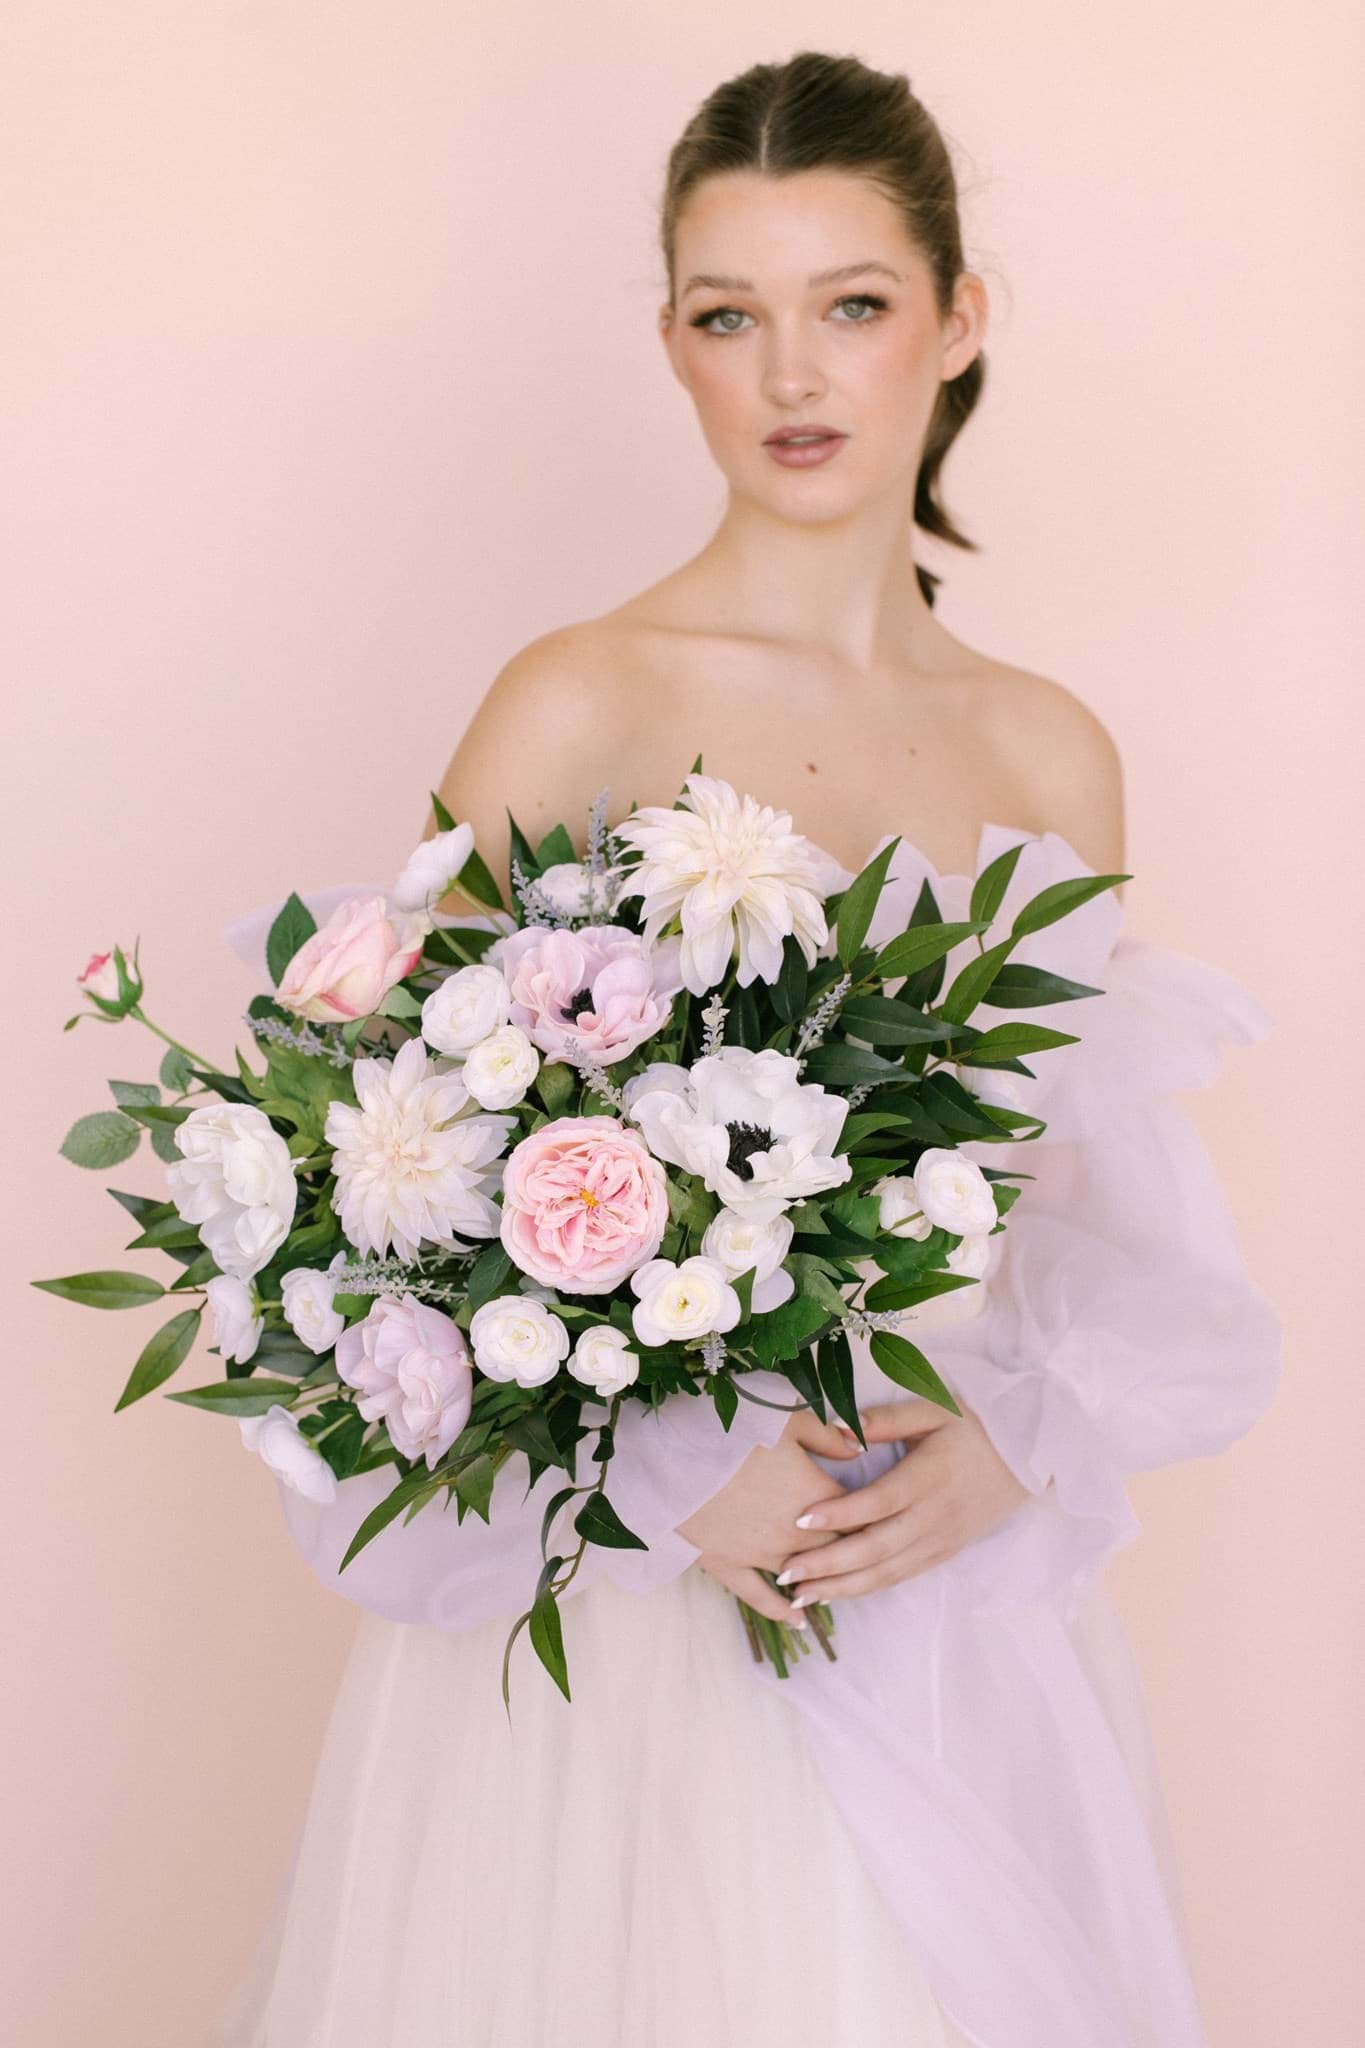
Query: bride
[954,1834]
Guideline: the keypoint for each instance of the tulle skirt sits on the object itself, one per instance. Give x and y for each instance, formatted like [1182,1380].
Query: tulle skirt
[657,1864]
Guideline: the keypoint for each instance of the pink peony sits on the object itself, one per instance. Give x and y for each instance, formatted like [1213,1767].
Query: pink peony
[410,1366]
[349,965]
[600,988]
[583,1204]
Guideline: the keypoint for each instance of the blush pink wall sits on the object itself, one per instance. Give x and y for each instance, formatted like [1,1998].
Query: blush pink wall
[330,381]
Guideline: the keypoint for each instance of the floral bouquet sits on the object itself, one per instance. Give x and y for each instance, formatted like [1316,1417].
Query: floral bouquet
[666,1122]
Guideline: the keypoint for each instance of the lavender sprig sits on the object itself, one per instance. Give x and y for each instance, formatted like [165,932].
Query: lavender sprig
[713,1017]
[822,1016]
[304,1040]
[370,1275]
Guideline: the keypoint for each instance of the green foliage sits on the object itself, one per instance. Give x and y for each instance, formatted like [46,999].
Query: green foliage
[105,1289]
[907,1365]
[859,901]
[239,1398]
[160,1356]
[294,925]
[104,1138]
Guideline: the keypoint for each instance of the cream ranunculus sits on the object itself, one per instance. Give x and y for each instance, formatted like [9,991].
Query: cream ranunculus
[602,1359]
[679,1302]
[236,1184]
[738,1244]
[747,1125]
[728,868]
[500,1068]
[307,1295]
[515,1337]
[898,1207]
[571,889]
[432,867]
[469,1004]
[277,1438]
[954,1193]
[970,1256]
[237,1321]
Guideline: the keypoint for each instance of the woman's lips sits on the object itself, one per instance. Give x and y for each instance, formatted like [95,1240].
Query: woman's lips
[804,454]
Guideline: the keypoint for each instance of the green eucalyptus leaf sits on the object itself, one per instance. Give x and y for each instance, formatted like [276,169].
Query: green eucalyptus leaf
[1009,1041]
[972,982]
[160,1356]
[1061,899]
[922,946]
[239,1398]
[105,1289]
[547,1639]
[988,890]
[859,901]
[907,1365]
[1020,987]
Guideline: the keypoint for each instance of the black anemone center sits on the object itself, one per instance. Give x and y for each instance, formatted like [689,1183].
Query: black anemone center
[745,1140]
[576,1005]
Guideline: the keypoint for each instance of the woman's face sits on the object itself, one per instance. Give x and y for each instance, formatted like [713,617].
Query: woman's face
[761,344]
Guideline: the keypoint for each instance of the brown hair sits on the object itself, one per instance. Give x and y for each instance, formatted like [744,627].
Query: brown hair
[817,111]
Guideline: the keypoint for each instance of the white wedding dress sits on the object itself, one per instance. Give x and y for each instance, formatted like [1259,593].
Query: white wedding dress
[952,1835]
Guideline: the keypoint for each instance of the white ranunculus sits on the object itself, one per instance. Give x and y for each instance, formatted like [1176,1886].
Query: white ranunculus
[1001,1091]
[728,868]
[307,1295]
[738,1244]
[236,1184]
[500,1068]
[752,1131]
[469,1004]
[664,1074]
[678,1302]
[970,1256]
[602,1359]
[515,1337]
[898,1207]
[277,1438]
[432,867]
[571,889]
[237,1321]
[954,1193]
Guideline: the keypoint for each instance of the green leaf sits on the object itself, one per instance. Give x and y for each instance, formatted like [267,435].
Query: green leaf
[972,983]
[242,1397]
[142,1208]
[555,848]
[789,990]
[552,1507]
[555,1084]
[904,1363]
[743,1285]
[1010,1041]
[294,925]
[780,1334]
[1019,987]
[397,1002]
[1061,899]
[153,1113]
[800,1370]
[125,1092]
[160,1356]
[519,850]
[175,1070]
[859,901]
[168,1233]
[474,1485]
[476,880]
[547,1640]
[988,890]
[444,821]
[487,1275]
[388,1510]
[834,1363]
[104,1138]
[284,1352]
[922,946]
[164,1145]
[598,1520]
[343,1443]
[203,1268]
[722,1391]
[883,1020]
[892,1294]
[842,1065]
[531,1433]
[105,1289]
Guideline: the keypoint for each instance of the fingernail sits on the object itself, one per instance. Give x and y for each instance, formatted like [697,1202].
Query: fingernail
[798,1620]
[785,1578]
[809,1522]
[799,1600]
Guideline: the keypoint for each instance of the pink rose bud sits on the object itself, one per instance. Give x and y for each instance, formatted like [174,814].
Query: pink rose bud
[100,977]
[349,965]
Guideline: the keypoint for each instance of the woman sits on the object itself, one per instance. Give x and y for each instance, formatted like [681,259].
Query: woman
[953,1834]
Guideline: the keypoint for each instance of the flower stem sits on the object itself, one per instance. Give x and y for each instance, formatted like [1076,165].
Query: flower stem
[142,1018]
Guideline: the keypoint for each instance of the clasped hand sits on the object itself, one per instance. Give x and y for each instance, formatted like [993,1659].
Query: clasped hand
[782,1513]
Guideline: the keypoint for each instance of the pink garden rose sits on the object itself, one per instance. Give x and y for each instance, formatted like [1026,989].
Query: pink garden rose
[583,1204]
[600,987]
[410,1366]
[349,965]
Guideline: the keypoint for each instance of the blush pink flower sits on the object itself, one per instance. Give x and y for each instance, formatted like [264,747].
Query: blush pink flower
[601,988]
[583,1204]
[349,965]
[410,1366]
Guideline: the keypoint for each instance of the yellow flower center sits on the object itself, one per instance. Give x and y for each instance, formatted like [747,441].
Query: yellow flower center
[588,1198]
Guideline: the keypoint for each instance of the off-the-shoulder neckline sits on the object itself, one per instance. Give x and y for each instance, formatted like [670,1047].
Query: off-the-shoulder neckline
[1015,834]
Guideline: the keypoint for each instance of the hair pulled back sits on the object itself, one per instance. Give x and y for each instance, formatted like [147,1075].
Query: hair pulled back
[822,112]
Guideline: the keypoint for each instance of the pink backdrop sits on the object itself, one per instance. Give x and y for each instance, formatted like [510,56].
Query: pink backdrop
[331,381]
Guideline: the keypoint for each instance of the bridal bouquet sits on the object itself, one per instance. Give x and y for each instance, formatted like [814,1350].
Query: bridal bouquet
[666,1121]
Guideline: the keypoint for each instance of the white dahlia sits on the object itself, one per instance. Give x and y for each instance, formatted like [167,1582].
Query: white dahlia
[728,867]
[410,1166]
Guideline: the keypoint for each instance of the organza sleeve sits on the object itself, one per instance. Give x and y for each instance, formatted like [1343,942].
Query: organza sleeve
[1123,1330]
[456,1574]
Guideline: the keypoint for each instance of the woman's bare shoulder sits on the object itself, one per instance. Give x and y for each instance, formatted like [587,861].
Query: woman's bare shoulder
[1061,756]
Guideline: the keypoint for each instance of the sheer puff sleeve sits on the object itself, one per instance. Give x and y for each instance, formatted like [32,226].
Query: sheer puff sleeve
[457,1574]
[1122,1331]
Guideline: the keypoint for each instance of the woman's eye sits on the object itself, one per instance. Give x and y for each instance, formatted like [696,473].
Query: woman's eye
[870,303]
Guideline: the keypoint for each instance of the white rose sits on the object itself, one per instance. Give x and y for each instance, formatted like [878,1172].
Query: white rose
[516,1338]
[276,1437]
[308,1310]
[237,1322]
[970,1257]
[469,1004]
[572,890]
[602,1358]
[898,1207]
[236,1184]
[1002,1091]
[500,1068]
[662,1075]
[432,867]
[678,1302]
[739,1245]
[954,1193]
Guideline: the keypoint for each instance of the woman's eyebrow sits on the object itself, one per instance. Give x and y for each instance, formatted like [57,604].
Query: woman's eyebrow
[715,282]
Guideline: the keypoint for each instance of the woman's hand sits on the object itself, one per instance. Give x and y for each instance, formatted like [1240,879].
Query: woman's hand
[951,1486]
[751,1523]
